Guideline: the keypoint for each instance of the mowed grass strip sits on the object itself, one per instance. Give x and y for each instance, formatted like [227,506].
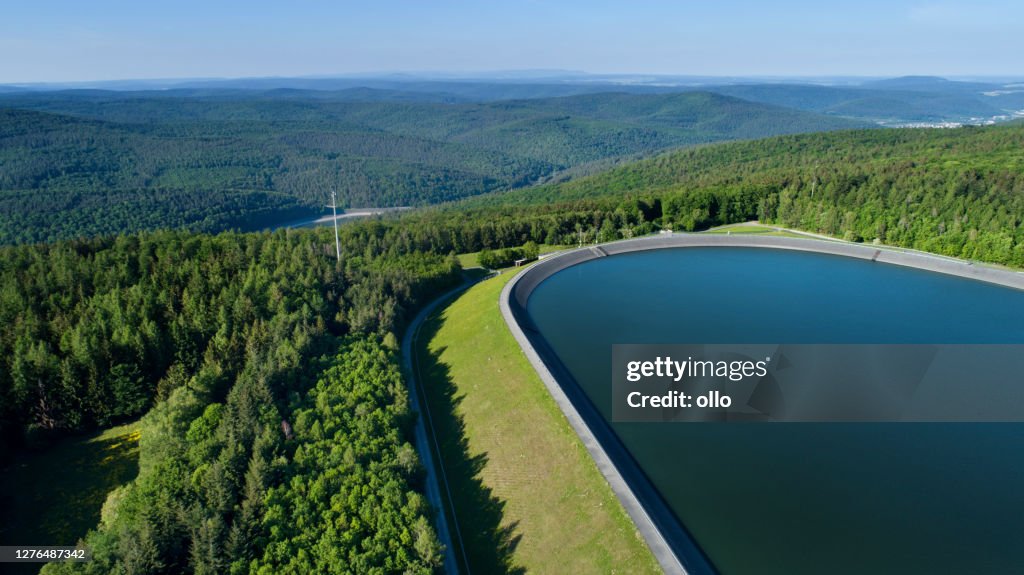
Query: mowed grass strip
[526,492]
[472,259]
[751,229]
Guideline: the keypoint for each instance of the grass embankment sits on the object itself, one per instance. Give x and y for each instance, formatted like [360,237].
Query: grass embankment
[472,260]
[54,496]
[754,229]
[526,492]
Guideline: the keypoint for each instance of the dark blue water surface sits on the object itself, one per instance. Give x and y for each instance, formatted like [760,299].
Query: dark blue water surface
[805,498]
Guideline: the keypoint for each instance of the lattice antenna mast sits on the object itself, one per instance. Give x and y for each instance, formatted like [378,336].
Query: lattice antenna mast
[334,209]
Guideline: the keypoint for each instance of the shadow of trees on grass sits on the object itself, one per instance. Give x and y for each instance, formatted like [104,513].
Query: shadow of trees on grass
[53,496]
[488,545]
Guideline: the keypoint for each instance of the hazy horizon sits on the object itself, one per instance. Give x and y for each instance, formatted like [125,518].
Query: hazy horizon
[504,76]
[56,41]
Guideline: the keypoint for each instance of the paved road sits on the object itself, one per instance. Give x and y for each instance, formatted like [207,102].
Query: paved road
[426,442]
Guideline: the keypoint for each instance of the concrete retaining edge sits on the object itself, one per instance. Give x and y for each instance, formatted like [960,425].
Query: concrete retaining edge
[672,546]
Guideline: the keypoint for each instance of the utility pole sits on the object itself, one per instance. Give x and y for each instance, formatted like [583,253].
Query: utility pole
[334,209]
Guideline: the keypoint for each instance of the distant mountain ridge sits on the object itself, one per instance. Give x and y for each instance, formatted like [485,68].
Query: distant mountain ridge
[899,101]
[891,101]
[927,84]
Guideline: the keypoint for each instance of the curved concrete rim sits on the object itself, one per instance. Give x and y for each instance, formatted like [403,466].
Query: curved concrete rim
[672,546]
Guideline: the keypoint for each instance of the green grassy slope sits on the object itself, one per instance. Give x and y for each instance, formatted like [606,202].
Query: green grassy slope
[527,494]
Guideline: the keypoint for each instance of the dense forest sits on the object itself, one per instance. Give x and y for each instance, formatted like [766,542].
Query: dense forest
[267,374]
[82,163]
[957,192]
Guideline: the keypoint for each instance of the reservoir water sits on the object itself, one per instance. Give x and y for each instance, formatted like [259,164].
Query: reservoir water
[795,498]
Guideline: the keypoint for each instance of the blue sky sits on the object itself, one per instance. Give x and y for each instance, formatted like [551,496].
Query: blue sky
[49,40]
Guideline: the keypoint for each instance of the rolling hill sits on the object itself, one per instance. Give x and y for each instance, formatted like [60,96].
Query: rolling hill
[96,162]
[957,192]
